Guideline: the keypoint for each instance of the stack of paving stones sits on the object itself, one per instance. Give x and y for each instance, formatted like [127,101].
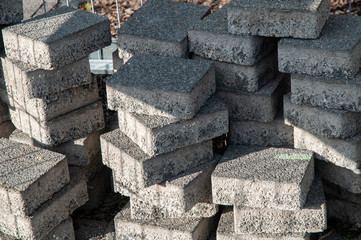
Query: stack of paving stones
[247,80]
[273,191]
[38,192]
[54,102]
[161,155]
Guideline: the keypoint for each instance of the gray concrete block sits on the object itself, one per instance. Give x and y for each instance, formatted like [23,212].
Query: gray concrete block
[50,214]
[28,176]
[325,56]
[261,106]
[156,134]
[64,231]
[311,218]
[328,123]
[162,228]
[11,12]
[33,82]
[164,86]
[139,170]
[209,38]
[159,27]
[57,39]
[336,93]
[245,78]
[259,177]
[225,231]
[6,128]
[344,211]
[341,152]
[253,133]
[74,125]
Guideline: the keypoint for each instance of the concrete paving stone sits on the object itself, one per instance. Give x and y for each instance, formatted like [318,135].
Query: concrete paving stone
[209,38]
[156,134]
[64,36]
[127,228]
[139,170]
[33,82]
[159,27]
[302,19]
[261,106]
[49,215]
[164,86]
[6,128]
[325,56]
[28,176]
[335,93]
[259,177]
[225,231]
[73,125]
[344,211]
[231,76]
[341,152]
[253,133]
[349,180]
[11,12]
[4,113]
[64,231]
[310,218]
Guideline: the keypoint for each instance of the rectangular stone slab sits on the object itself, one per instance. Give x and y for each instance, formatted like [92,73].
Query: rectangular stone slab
[28,176]
[139,170]
[11,11]
[311,218]
[58,208]
[55,39]
[6,128]
[33,82]
[209,38]
[164,35]
[325,56]
[156,134]
[260,177]
[328,123]
[164,86]
[297,19]
[74,125]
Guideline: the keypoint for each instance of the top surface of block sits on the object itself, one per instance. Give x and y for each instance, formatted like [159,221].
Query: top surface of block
[338,30]
[163,20]
[164,73]
[304,5]
[216,22]
[21,165]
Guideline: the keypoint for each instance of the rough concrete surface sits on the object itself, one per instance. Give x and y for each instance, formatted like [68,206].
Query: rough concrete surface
[64,231]
[11,12]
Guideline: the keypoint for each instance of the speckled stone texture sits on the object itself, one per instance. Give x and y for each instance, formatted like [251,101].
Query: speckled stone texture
[328,123]
[159,27]
[209,38]
[28,176]
[282,18]
[156,134]
[310,218]
[50,214]
[235,77]
[11,12]
[163,86]
[127,228]
[73,125]
[336,93]
[261,106]
[64,231]
[253,133]
[260,177]
[6,128]
[138,170]
[225,231]
[57,39]
[33,82]
[326,55]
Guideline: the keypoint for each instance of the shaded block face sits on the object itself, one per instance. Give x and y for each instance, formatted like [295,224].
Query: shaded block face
[163,86]
[156,134]
[344,211]
[57,39]
[325,55]
[159,27]
[4,113]
[64,231]
[11,12]
[161,228]
[139,170]
[302,19]
[29,175]
[6,128]
[310,218]
[328,123]
[260,177]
